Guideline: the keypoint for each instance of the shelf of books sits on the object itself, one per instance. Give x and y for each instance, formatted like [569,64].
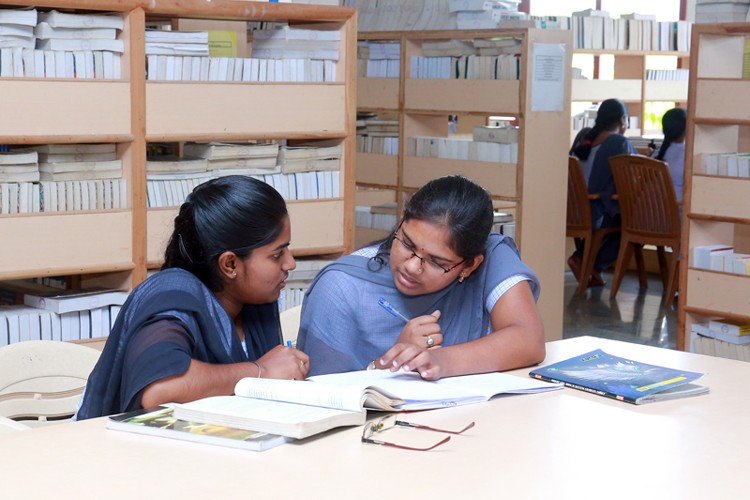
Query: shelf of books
[714,304]
[67,137]
[429,115]
[109,121]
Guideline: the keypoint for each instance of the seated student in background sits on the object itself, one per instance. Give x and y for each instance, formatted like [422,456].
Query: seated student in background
[467,299]
[672,150]
[593,149]
[210,316]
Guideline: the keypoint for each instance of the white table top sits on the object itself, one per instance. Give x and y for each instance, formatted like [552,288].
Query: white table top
[559,444]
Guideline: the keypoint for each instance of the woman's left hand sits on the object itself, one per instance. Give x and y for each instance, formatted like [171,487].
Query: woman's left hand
[412,358]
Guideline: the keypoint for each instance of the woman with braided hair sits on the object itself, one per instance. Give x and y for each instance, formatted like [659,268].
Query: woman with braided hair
[210,316]
[672,150]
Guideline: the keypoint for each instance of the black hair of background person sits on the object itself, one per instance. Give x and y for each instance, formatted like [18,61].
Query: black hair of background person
[236,213]
[610,114]
[673,124]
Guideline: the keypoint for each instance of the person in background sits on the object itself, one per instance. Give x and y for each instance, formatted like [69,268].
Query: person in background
[210,316]
[440,296]
[594,149]
[672,150]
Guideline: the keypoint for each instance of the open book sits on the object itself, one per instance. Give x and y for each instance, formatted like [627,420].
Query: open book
[302,408]
[160,421]
[620,378]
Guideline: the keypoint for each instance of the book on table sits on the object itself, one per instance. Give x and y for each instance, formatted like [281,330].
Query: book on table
[621,379]
[160,421]
[302,408]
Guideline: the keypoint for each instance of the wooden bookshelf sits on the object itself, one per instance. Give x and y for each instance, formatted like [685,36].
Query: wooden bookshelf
[630,84]
[715,208]
[530,189]
[132,112]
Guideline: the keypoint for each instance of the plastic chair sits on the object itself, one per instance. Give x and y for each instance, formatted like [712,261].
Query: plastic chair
[290,319]
[579,224]
[42,380]
[650,216]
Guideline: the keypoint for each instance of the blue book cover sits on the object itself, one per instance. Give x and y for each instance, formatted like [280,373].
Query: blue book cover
[621,379]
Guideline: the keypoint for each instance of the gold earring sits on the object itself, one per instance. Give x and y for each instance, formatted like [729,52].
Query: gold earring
[234,274]
[461,278]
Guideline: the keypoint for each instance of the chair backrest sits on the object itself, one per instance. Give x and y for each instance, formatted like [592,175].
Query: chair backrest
[648,204]
[290,319]
[579,208]
[43,379]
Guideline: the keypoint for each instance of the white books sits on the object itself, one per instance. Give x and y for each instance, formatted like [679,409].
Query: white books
[86,44]
[19,157]
[702,255]
[64,20]
[75,300]
[24,17]
[44,31]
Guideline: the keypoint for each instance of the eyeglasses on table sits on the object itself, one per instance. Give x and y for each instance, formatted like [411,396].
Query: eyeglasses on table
[390,421]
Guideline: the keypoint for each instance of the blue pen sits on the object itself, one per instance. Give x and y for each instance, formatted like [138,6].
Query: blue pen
[389,307]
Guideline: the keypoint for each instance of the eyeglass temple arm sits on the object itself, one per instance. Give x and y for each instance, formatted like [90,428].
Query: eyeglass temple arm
[428,428]
[401,447]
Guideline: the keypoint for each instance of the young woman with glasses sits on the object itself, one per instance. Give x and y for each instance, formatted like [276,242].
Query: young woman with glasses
[209,317]
[440,296]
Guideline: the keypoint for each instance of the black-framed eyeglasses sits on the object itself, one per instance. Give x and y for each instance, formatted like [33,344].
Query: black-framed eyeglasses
[432,264]
[390,421]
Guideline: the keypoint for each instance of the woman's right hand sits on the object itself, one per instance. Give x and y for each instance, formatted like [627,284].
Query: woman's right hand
[284,363]
[422,331]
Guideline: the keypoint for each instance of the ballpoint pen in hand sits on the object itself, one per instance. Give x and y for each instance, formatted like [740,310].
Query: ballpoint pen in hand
[392,310]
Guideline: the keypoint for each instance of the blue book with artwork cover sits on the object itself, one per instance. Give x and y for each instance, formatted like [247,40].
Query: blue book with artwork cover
[621,379]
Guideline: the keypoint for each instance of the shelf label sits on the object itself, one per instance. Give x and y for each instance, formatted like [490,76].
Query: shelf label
[547,80]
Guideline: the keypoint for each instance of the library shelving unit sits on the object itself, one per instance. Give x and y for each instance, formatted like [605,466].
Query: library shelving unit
[630,84]
[117,247]
[530,188]
[715,208]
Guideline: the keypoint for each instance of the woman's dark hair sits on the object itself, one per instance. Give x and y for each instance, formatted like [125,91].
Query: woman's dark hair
[458,204]
[673,125]
[609,115]
[235,212]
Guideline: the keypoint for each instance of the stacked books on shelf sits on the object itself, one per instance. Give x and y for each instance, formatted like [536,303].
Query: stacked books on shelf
[298,173]
[721,337]
[60,45]
[296,43]
[237,158]
[61,177]
[383,217]
[667,74]
[46,313]
[377,136]
[378,59]
[299,281]
[463,148]
[480,59]
[721,258]
[726,164]
[592,29]
[170,179]
[183,55]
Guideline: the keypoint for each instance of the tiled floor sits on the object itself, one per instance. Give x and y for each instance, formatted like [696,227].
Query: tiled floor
[633,316]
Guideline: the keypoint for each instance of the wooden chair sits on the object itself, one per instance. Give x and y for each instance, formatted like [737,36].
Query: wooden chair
[650,216]
[579,224]
[42,380]
[290,319]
